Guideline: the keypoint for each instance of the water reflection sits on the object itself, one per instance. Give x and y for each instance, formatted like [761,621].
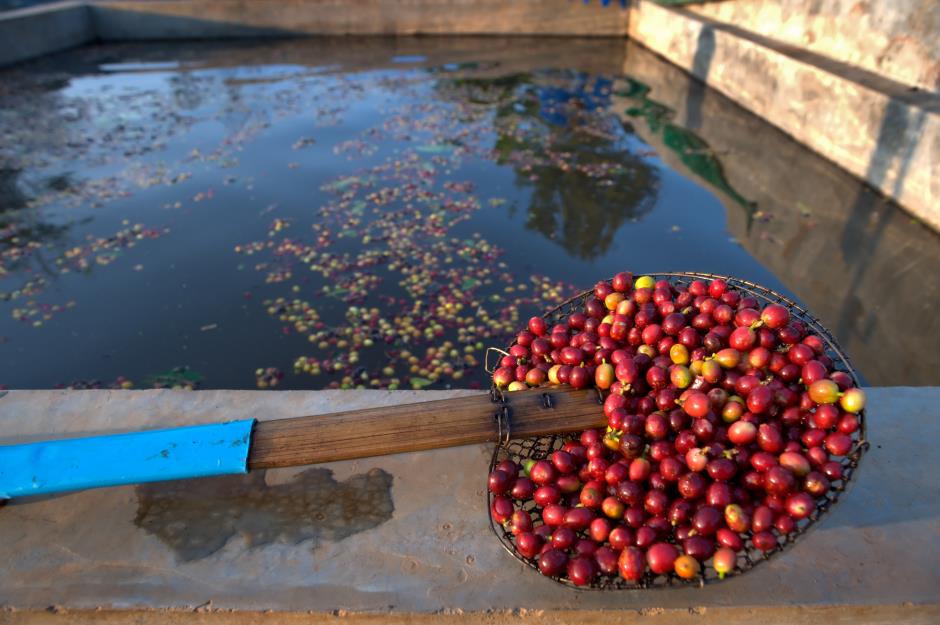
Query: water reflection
[858,261]
[24,233]
[555,130]
[693,151]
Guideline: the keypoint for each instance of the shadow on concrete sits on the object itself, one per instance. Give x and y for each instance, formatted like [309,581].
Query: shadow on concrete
[898,137]
[701,66]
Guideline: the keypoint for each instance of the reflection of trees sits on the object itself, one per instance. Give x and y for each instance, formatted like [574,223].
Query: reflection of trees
[692,150]
[187,90]
[554,129]
[23,233]
[11,197]
[569,207]
[33,128]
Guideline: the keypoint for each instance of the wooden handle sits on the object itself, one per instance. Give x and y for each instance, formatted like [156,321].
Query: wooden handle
[415,427]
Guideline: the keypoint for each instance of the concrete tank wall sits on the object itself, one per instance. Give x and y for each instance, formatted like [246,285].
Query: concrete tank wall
[814,227]
[899,39]
[32,32]
[162,19]
[874,127]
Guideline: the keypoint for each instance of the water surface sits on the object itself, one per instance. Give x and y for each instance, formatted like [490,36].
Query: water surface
[314,213]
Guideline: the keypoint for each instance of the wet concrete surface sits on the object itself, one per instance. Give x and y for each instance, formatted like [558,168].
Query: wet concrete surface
[874,553]
[197,519]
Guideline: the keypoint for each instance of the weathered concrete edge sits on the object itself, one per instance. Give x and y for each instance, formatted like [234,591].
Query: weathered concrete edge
[187,19]
[884,138]
[36,31]
[897,39]
[908,613]
[33,32]
[323,585]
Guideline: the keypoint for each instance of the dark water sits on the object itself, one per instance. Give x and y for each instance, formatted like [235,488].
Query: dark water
[310,213]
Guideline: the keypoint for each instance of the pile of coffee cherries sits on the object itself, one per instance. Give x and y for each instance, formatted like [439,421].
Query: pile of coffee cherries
[727,424]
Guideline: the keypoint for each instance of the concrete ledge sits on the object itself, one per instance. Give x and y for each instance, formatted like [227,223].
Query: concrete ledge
[804,615]
[873,127]
[35,31]
[404,538]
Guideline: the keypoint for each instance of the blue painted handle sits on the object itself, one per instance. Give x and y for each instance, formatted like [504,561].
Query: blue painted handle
[151,456]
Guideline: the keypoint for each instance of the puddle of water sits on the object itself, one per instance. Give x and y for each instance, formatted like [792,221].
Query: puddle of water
[197,518]
[307,213]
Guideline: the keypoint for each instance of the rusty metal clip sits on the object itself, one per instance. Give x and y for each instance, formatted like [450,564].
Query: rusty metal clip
[503,424]
[502,415]
[547,401]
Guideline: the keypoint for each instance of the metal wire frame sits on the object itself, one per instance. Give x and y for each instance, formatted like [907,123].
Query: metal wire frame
[540,447]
